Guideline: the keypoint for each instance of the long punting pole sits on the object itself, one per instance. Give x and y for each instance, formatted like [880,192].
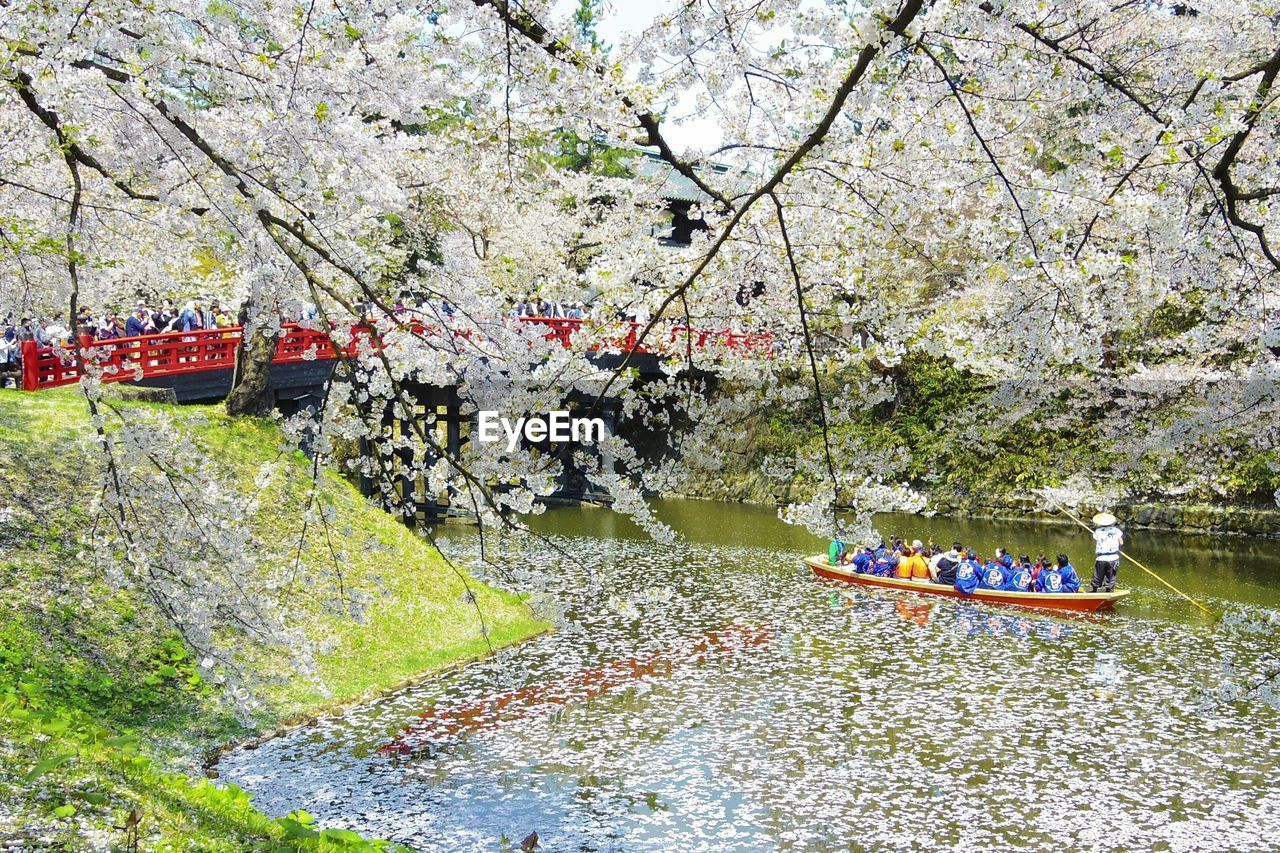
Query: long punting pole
[1077,520]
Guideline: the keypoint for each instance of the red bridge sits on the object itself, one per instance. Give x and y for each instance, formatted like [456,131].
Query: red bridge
[153,357]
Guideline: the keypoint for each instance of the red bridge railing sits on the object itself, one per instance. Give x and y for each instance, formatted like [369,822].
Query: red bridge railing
[166,354]
[174,353]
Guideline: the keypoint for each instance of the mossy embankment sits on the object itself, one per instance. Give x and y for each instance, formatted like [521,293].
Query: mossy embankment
[103,710]
[970,456]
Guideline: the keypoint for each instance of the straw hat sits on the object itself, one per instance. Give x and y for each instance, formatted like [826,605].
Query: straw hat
[1104,519]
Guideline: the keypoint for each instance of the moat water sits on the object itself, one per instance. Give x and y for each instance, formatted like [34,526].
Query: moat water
[712,695]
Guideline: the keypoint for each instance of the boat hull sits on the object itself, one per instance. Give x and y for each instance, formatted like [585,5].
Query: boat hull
[1078,601]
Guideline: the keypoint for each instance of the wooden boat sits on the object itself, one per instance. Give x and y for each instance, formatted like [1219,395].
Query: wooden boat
[1082,601]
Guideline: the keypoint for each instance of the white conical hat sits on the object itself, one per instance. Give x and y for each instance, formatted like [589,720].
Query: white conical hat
[1104,519]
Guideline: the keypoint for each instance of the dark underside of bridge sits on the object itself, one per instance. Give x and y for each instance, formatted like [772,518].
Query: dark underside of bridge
[300,386]
[290,383]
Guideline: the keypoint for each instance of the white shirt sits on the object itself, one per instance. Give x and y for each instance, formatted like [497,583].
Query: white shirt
[1107,542]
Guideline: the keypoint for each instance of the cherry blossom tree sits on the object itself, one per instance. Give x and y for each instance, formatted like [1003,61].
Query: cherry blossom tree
[1013,186]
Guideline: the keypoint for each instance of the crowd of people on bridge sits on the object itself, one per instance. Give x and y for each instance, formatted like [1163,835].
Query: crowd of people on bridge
[965,570]
[194,315]
[535,306]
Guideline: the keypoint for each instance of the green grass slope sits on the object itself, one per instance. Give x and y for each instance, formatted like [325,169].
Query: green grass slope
[102,710]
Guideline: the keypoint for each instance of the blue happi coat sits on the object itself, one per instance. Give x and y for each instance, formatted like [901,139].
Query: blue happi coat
[861,562]
[1070,580]
[967,576]
[1019,580]
[993,576]
[884,564]
[1058,579]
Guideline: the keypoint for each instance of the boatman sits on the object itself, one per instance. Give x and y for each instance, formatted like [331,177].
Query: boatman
[1107,538]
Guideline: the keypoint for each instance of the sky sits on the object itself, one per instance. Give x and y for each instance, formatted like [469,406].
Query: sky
[683,129]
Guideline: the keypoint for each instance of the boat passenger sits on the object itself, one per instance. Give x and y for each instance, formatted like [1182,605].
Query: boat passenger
[967,573]
[902,571]
[913,564]
[834,552]
[993,575]
[885,563]
[1004,558]
[862,560]
[1041,563]
[943,567]
[1070,580]
[1020,577]
[920,567]
[1058,578]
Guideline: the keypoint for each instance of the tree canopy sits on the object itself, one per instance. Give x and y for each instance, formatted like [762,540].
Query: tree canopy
[1072,199]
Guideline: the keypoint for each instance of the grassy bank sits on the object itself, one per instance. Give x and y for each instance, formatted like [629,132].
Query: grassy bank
[103,712]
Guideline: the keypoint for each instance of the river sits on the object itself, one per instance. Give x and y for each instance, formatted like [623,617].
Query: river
[712,695]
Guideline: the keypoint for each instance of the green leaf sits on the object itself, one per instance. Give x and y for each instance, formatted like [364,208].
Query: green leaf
[55,726]
[95,798]
[344,835]
[294,829]
[167,671]
[64,811]
[48,764]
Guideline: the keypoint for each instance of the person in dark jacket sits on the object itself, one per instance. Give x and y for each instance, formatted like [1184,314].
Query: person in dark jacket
[943,569]
[136,325]
[85,323]
[164,317]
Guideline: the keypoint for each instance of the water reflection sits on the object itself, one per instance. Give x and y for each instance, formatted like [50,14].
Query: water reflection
[867,719]
[444,723]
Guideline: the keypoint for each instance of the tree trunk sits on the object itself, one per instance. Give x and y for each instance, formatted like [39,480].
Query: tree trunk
[251,385]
